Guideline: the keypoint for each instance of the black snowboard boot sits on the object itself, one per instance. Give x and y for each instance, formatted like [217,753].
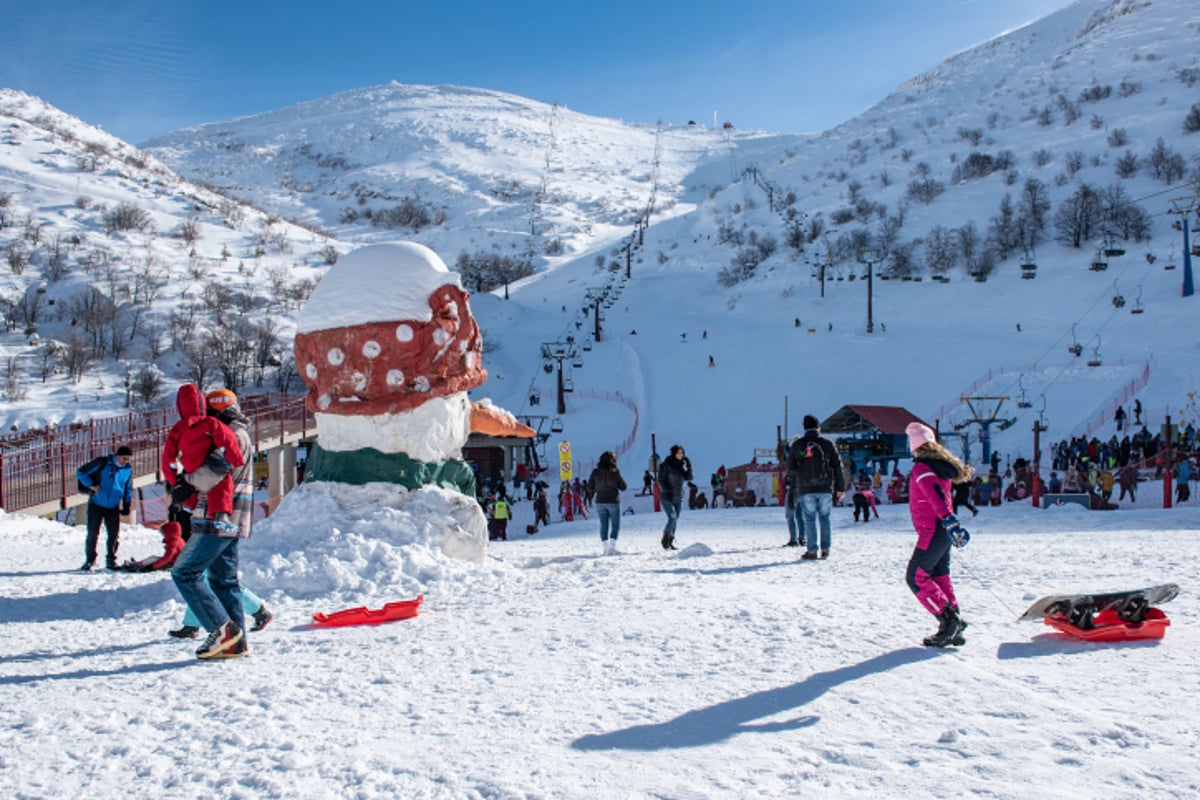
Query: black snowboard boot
[950,630]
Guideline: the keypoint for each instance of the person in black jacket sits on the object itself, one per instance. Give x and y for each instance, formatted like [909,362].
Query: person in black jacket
[673,474]
[607,483]
[817,479]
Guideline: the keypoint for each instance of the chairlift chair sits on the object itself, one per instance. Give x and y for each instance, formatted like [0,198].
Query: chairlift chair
[1137,302]
[1029,271]
[1023,400]
[1118,300]
[556,425]
[1075,348]
[1095,359]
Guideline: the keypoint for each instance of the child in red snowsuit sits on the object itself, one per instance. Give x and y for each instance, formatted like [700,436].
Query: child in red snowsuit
[188,444]
[172,536]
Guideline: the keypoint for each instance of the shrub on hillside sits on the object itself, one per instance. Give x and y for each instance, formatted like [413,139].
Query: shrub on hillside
[1191,123]
[126,217]
[483,272]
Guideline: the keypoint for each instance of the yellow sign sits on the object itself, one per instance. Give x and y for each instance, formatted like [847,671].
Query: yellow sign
[565,470]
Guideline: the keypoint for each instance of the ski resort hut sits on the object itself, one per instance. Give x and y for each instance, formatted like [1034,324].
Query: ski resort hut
[756,482]
[869,437]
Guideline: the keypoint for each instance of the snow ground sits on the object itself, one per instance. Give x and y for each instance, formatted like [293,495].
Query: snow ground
[726,669]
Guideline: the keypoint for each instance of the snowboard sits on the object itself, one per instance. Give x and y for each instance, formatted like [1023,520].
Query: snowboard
[1081,610]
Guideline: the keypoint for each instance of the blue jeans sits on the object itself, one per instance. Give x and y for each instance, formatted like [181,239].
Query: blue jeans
[672,507]
[610,514]
[790,511]
[812,506]
[219,598]
[251,603]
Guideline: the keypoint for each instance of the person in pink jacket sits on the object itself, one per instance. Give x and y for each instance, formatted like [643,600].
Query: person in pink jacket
[930,502]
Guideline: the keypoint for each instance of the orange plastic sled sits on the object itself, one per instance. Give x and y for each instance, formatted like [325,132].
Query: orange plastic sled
[403,609]
[1110,628]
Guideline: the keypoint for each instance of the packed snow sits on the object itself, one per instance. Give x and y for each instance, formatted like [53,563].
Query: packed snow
[726,669]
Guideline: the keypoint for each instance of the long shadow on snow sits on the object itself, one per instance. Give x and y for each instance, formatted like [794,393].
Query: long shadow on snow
[85,674]
[720,722]
[89,605]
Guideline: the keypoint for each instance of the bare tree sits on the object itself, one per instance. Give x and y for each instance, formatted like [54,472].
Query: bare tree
[1002,228]
[76,356]
[1078,217]
[940,252]
[967,238]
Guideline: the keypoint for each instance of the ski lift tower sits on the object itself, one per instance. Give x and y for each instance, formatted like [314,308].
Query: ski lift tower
[557,352]
[597,298]
[985,412]
[1182,206]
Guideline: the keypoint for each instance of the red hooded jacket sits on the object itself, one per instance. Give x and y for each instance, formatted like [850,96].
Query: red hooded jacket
[195,435]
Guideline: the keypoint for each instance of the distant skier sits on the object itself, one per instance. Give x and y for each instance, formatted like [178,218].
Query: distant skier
[934,470]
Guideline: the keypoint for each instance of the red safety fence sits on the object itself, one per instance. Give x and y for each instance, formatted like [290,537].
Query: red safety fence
[41,470]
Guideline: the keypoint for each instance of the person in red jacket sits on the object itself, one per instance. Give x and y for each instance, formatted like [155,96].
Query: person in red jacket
[930,503]
[188,445]
[172,537]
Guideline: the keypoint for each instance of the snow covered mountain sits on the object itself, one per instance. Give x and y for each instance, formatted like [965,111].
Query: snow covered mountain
[949,184]
[481,170]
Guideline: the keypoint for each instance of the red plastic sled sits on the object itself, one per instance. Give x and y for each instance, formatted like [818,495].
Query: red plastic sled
[1110,628]
[403,609]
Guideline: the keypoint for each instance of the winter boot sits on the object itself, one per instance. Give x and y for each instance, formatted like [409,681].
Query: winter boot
[262,618]
[239,650]
[185,632]
[950,628]
[219,640]
[668,542]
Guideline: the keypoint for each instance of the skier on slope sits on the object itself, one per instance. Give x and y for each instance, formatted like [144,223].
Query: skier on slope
[934,470]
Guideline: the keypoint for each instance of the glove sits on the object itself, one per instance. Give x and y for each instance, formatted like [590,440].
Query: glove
[125,511]
[181,491]
[957,533]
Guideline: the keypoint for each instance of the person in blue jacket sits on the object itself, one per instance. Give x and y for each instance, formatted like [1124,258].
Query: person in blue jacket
[108,482]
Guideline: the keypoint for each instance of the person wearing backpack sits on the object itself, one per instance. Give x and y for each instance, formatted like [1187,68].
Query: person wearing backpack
[223,405]
[816,477]
[206,571]
[108,483]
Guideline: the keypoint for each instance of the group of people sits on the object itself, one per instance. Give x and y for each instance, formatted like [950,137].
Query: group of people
[206,461]
[815,480]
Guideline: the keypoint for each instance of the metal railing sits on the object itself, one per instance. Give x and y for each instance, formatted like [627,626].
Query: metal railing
[37,474]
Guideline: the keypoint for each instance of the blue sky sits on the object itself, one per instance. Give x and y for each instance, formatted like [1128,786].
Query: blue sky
[138,68]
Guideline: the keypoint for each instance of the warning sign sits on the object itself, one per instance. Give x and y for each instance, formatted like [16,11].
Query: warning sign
[565,471]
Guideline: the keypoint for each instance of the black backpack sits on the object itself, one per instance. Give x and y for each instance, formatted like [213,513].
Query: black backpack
[810,467]
[94,468]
